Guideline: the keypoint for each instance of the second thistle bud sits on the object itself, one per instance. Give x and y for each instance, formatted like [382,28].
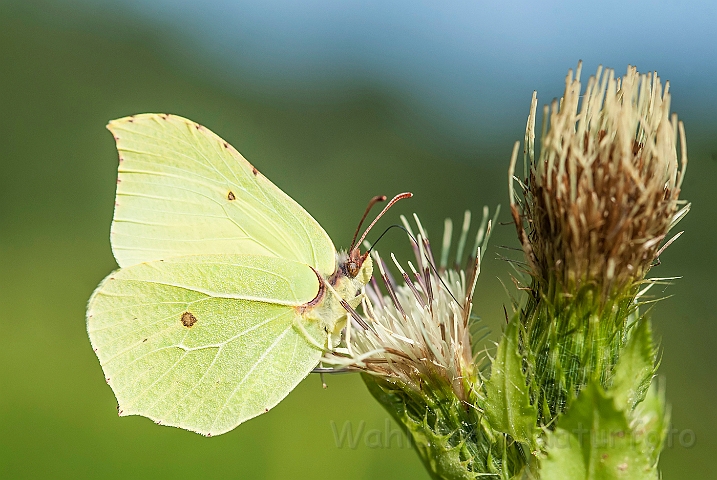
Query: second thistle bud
[596,206]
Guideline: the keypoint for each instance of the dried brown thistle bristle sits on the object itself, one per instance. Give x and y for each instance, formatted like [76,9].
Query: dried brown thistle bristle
[601,197]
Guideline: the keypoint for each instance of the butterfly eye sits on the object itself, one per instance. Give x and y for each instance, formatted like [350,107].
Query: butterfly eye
[352,268]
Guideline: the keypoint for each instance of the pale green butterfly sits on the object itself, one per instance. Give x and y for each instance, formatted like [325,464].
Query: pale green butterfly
[228,291]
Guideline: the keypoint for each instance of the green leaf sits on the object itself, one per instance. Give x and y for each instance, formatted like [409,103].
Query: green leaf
[593,441]
[652,420]
[507,405]
[635,368]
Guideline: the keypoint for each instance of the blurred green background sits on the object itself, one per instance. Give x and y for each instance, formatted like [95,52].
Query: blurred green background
[331,141]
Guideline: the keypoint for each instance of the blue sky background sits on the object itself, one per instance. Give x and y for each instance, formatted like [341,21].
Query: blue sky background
[468,66]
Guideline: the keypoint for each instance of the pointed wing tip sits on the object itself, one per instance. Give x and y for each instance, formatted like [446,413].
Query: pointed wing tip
[117,124]
[112,124]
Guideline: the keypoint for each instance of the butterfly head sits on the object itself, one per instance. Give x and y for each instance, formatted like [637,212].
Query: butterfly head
[359,266]
[354,265]
[354,262]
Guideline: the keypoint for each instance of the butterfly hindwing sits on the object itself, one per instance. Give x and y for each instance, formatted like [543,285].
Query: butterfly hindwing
[182,190]
[204,342]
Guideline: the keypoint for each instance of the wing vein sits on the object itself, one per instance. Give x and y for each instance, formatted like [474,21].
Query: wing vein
[251,370]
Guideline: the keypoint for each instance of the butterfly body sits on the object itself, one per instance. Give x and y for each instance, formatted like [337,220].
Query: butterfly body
[228,291]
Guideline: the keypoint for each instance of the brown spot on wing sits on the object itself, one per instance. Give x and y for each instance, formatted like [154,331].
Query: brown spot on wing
[254,171]
[188,319]
[231,196]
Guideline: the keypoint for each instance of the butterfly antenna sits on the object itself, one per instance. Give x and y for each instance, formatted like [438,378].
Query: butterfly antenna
[395,225]
[395,199]
[371,203]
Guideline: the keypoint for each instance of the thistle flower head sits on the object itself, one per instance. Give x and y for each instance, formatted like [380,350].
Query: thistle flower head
[419,330]
[604,192]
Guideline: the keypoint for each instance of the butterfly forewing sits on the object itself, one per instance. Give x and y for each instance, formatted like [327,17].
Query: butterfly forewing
[208,348]
[182,190]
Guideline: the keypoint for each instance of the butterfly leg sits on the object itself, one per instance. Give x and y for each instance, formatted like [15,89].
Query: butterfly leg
[348,328]
[321,375]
